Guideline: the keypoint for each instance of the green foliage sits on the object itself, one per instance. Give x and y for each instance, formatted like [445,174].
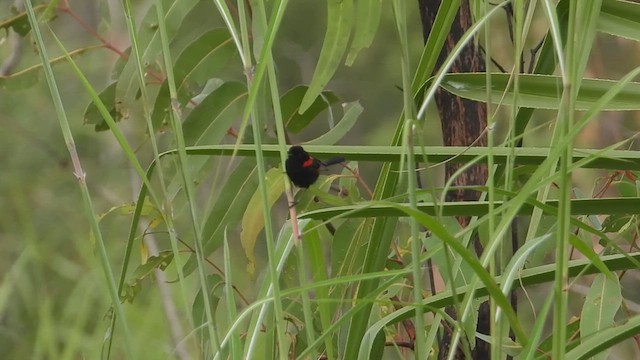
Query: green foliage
[540,91]
[294,120]
[339,21]
[204,98]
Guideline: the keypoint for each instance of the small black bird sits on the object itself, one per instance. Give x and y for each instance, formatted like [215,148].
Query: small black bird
[302,169]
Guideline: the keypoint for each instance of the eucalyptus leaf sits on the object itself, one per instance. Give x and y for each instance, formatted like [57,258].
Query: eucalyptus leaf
[26,78]
[92,114]
[227,209]
[19,22]
[253,218]
[198,62]
[352,112]
[290,103]
[210,120]
[150,47]
[600,308]
[339,19]
[540,91]
[367,23]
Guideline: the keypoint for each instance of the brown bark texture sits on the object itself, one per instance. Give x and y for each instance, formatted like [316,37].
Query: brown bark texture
[463,124]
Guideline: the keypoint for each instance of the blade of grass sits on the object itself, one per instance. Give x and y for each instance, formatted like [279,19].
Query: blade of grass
[81,178]
[164,202]
[614,159]
[400,12]
[253,110]
[187,183]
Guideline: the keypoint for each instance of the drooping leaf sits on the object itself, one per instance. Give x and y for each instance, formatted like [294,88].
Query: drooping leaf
[92,114]
[290,105]
[352,112]
[198,62]
[19,22]
[253,218]
[600,307]
[227,209]
[143,271]
[590,254]
[30,76]
[367,21]
[150,47]
[605,340]
[161,261]
[617,222]
[339,20]
[541,91]
[210,86]
[209,121]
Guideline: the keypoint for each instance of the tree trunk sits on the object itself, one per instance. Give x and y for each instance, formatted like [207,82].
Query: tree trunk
[463,123]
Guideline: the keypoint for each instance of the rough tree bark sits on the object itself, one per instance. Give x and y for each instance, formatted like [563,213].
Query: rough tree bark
[463,123]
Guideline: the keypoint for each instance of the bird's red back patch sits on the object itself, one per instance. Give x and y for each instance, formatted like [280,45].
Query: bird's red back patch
[308,162]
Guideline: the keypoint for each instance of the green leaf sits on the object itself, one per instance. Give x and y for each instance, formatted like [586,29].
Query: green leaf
[290,102]
[435,42]
[349,183]
[93,116]
[214,284]
[209,121]
[150,46]
[533,276]
[133,287]
[315,257]
[588,158]
[588,252]
[479,208]
[161,261]
[210,86]
[586,27]
[253,218]
[198,62]
[540,91]
[339,19]
[468,257]
[19,22]
[352,111]
[546,346]
[367,22]
[615,223]
[30,76]
[227,209]
[620,18]
[600,307]
[545,64]
[626,188]
[204,56]
[606,339]
[346,257]
[464,273]
[518,260]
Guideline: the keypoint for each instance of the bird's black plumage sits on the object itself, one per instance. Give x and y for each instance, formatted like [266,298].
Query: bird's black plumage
[303,169]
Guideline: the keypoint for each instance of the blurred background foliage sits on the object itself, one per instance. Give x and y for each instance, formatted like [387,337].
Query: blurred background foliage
[52,295]
[52,299]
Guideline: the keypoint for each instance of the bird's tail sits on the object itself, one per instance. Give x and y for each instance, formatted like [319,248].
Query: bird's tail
[333,161]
